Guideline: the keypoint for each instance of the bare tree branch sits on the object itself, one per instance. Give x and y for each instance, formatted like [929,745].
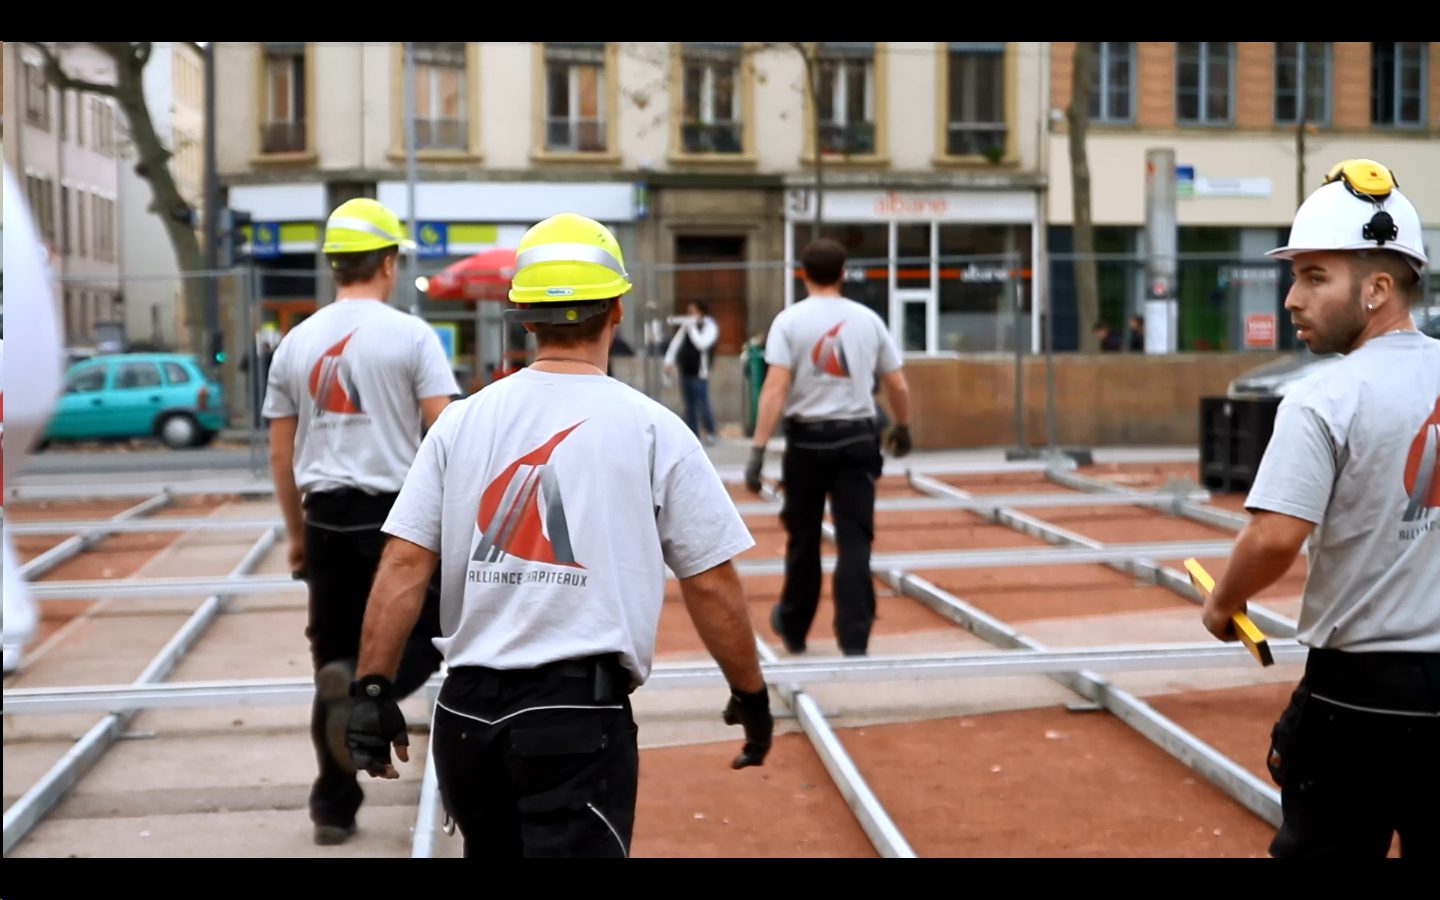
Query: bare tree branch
[56,75]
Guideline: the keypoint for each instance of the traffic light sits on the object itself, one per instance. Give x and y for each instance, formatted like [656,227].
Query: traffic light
[231,238]
[217,348]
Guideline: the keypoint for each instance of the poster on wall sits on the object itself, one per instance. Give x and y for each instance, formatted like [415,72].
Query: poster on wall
[1259,331]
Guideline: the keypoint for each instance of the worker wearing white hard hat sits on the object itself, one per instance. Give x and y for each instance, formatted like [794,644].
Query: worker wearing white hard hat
[1353,467]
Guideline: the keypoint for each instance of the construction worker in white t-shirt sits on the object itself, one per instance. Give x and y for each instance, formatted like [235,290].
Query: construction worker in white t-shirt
[553,501]
[350,390]
[1353,467]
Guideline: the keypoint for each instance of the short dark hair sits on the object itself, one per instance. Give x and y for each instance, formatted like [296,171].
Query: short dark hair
[358,268]
[824,262]
[700,305]
[586,331]
[1396,265]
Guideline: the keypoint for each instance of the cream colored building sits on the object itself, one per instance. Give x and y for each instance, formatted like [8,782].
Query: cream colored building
[1236,152]
[693,153]
[64,149]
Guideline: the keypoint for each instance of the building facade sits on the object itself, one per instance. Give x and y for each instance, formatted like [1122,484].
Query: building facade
[1238,117]
[64,148]
[701,158]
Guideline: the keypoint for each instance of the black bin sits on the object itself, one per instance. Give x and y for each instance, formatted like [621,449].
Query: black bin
[1233,435]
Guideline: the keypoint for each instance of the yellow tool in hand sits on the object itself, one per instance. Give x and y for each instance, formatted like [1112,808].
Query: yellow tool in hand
[1250,635]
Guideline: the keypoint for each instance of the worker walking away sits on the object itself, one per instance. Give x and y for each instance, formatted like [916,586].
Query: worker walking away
[350,390]
[552,503]
[825,355]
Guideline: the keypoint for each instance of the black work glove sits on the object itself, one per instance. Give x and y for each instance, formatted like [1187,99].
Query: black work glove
[753,712]
[376,722]
[899,440]
[752,468]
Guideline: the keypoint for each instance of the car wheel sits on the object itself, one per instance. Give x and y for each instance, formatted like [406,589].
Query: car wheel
[179,431]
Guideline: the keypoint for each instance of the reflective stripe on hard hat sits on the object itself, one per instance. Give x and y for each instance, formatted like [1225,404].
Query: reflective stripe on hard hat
[370,228]
[570,253]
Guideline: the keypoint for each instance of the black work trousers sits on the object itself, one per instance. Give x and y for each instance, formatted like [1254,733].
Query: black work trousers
[539,762]
[1357,757]
[343,542]
[840,460]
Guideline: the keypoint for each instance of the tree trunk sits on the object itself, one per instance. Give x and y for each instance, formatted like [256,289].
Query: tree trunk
[152,164]
[812,91]
[1087,291]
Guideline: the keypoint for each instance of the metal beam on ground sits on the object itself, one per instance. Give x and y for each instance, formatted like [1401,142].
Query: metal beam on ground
[78,544]
[1191,509]
[794,672]
[985,502]
[1143,567]
[83,490]
[143,526]
[26,812]
[882,831]
[1236,781]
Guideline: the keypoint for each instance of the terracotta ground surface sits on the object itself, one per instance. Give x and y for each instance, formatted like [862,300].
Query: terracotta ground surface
[1042,781]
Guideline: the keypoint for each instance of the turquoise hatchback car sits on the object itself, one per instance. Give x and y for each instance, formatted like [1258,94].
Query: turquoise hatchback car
[130,395]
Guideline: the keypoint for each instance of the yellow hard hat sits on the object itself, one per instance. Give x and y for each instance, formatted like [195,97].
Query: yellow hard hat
[362,224]
[567,260]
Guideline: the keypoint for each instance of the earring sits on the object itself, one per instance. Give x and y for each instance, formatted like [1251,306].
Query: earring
[1369,306]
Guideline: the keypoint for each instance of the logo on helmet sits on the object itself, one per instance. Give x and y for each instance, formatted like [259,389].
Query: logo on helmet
[559,291]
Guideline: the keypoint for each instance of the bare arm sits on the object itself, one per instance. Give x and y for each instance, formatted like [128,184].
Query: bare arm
[431,407]
[282,473]
[394,605]
[772,404]
[1265,550]
[716,604]
[897,391]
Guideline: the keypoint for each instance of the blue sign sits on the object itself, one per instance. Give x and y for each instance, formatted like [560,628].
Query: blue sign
[432,240]
[448,332]
[1184,182]
[265,240]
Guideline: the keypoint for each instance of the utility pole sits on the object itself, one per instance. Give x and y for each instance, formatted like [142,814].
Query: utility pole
[212,208]
[410,263]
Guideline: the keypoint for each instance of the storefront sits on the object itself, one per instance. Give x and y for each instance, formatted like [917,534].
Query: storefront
[455,220]
[948,271]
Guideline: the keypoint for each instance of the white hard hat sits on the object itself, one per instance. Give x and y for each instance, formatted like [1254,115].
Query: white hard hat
[1360,207]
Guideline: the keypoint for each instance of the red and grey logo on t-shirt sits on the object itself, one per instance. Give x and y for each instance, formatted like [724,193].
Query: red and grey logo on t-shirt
[1422,469]
[828,354]
[522,515]
[332,386]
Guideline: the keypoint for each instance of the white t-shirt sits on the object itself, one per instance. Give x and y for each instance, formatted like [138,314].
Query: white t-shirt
[1356,450]
[354,373]
[555,503]
[836,350]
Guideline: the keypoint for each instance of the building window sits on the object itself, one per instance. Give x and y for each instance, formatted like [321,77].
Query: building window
[575,97]
[1203,82]
[711,118]
[64,220]
[1397,83]
[975,124]
[441,121]
[1302,69]
[283,129]
[37,96]
[82,234]
[1112,82]
[102,127]
[845,97]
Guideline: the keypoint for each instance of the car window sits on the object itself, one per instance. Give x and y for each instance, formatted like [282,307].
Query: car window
[137,375]
[1431,328]
[175,373]
[86,381]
